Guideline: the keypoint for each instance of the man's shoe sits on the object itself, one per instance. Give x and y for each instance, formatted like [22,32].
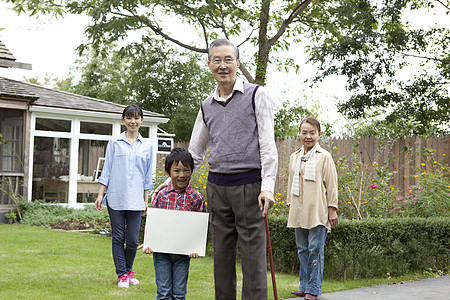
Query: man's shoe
[131,279]
[298,293]
[310,297]
[123,281]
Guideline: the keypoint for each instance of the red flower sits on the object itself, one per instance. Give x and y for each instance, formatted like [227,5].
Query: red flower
[373,186]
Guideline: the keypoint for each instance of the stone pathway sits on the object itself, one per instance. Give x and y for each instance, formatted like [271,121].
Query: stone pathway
[437,288]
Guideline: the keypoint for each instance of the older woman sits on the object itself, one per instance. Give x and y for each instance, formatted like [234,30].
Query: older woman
[312,200]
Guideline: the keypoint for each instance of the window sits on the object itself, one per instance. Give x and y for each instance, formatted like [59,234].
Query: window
[53,125]
[90,153]
[96,128]
[11,128]
[51,169]
[11,154]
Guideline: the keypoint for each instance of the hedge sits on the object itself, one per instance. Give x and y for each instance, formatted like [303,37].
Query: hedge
[370,247]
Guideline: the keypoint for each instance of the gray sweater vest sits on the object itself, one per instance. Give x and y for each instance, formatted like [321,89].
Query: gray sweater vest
[234,146]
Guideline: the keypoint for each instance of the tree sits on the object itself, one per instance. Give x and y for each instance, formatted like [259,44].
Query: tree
[371,44]
[367,41]
[152,75]
[288,118]
[238,20]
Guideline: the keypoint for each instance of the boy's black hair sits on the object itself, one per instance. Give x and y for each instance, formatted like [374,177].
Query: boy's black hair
[132,110]
[177,155]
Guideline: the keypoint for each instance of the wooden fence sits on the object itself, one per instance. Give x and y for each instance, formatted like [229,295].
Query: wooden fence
[404,156]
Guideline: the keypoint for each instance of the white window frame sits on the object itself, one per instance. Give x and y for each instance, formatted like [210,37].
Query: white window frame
[74,136]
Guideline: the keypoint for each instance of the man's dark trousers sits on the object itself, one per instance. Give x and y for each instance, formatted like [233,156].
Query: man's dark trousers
[235,217]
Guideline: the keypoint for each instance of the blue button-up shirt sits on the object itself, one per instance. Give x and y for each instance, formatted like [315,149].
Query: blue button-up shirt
[127,172]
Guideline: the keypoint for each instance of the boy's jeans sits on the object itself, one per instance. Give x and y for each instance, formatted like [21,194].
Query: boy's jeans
[125,225]
[310,245]
[171,275]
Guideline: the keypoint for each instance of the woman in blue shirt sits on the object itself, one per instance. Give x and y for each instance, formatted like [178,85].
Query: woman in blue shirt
[126,178]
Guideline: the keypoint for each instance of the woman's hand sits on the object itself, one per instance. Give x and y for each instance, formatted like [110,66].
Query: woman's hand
[332,216]
[98,203]
[144,212]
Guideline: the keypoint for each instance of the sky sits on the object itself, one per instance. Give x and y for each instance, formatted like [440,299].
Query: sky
[49,45]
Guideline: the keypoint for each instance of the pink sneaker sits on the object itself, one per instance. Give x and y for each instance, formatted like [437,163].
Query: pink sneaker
[123,281]
[132,279]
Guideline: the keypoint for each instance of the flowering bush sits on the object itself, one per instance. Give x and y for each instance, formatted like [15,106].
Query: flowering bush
[365,189]
[279,208]
[432,197]
[368,190]
[360,199]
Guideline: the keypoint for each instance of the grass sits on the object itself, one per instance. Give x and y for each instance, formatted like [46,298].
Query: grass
[40,263]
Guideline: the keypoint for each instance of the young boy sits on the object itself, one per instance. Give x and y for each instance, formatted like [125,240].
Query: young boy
[171,270]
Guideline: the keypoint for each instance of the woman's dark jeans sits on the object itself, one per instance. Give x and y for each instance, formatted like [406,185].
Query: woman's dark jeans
[125,225]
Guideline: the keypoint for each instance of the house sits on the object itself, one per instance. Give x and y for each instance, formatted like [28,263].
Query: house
[53,143]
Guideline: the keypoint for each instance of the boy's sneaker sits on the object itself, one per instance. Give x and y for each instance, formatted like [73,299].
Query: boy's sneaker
[123,281]
[132,279]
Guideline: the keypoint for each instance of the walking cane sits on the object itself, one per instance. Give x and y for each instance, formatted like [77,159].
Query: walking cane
[274,284]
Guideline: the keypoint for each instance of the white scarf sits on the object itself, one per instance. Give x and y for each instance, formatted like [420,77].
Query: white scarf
[310,167]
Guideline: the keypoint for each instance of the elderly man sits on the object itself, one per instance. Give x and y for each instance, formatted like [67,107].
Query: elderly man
[236,125]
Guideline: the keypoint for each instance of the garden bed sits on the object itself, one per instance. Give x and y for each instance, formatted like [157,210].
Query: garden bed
[76,225]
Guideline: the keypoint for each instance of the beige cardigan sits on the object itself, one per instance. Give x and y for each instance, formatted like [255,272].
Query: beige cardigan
[310,209]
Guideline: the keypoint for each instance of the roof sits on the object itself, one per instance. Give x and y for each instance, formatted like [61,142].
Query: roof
[9,88]
[5,53]
[7,59]
[59,99]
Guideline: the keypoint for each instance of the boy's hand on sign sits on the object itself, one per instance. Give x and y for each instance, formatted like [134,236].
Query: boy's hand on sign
[147,250]
[193,255]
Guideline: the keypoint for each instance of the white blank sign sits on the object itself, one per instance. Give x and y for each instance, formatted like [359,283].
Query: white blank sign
[176,231]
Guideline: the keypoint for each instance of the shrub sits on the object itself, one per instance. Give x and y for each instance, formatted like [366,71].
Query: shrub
[371,247]
[367,190]
[45,214]
[431,198]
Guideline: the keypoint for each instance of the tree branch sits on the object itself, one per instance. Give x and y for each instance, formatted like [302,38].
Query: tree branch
[205,34]
[301,7]
[246,73]
[426,57]
[158,31]
[247,38]
[448,8]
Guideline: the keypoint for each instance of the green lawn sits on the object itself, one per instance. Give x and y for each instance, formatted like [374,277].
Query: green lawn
[40,263]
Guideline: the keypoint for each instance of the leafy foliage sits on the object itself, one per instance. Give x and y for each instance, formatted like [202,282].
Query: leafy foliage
[41,214]
[384,129]
[269,25]
[388,60]
[288,118]
[152,75]
[368,190]
[396,70]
